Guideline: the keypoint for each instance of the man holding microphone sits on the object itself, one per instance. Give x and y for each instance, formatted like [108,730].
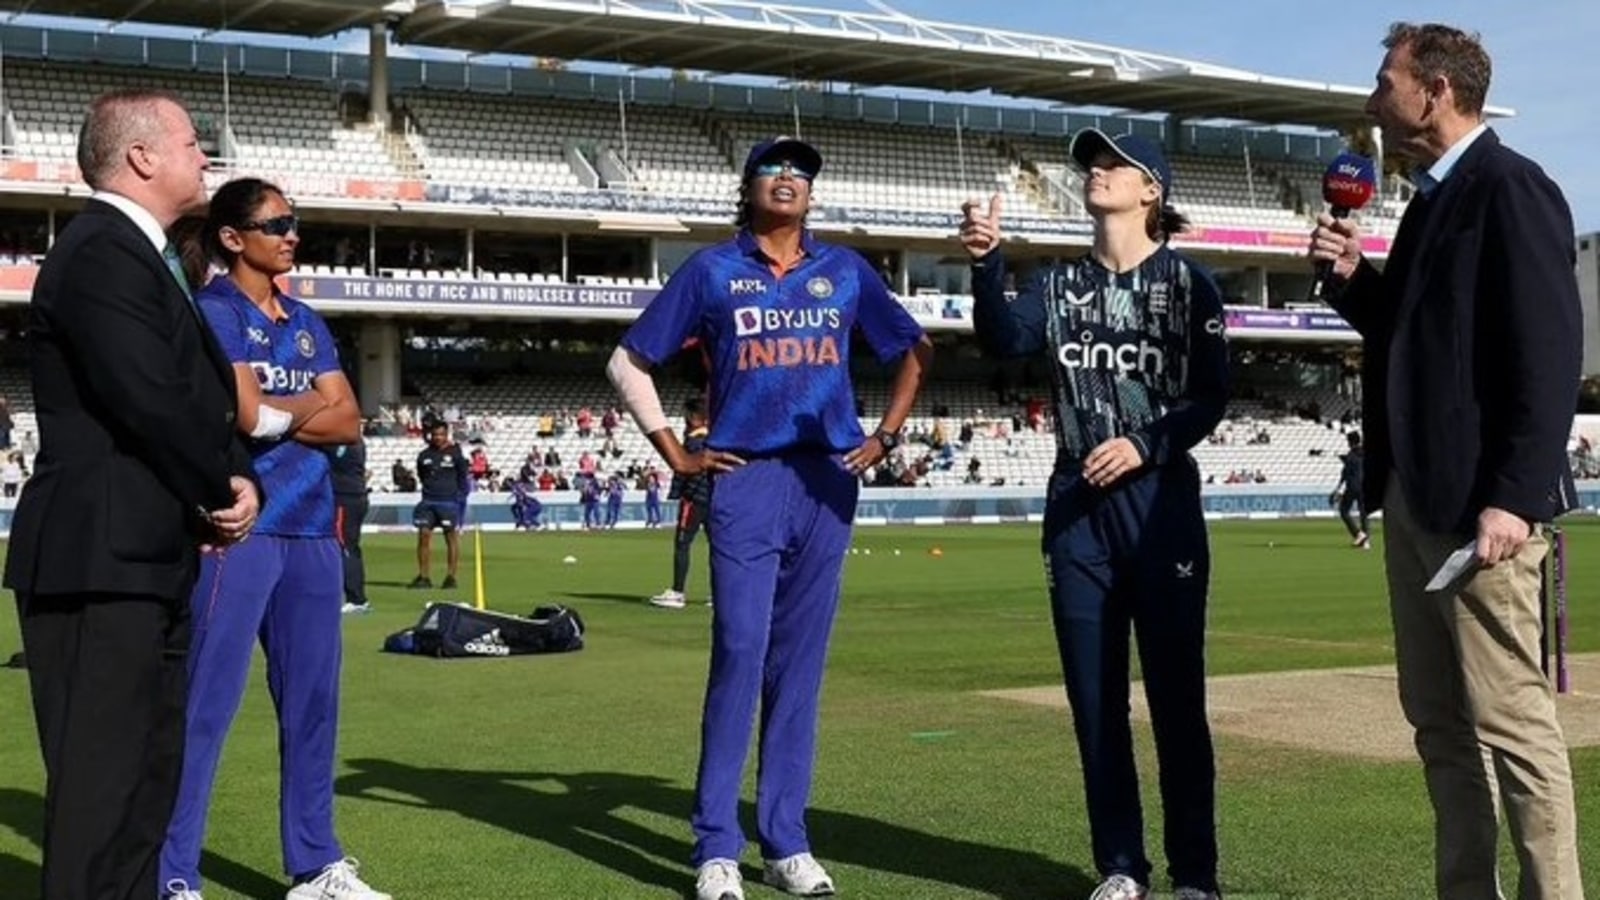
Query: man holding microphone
[1472,362]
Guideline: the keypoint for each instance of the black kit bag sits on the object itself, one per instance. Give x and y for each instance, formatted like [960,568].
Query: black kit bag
[451,630]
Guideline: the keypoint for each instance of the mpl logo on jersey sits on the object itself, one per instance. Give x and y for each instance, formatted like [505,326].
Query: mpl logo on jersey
[786,338]
[1123,357]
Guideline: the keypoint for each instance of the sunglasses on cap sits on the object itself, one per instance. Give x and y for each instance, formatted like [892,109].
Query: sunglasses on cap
[773,170]
[277,226]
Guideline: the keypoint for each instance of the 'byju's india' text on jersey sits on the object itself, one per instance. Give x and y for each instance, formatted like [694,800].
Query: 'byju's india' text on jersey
[1140,354]
[287,357]
[779,347]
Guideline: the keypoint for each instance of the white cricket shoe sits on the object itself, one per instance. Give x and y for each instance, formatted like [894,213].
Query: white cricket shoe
[800,875]
[719,879]
[668,599]
[337,881]
[178,889]
[1120,887]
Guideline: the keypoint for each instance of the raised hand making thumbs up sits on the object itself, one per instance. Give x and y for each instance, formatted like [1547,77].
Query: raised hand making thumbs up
[980,229]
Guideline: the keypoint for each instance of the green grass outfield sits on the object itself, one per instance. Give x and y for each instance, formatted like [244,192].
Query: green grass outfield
[570,776]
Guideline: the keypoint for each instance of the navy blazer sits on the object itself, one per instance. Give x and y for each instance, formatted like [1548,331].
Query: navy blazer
[1474,346]
[137,431]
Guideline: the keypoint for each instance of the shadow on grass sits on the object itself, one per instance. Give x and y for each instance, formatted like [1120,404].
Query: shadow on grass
[240,878]
[578,813]
[23,812]
[640,600]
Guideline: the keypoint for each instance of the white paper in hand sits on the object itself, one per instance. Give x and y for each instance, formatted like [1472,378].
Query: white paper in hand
[1458,563]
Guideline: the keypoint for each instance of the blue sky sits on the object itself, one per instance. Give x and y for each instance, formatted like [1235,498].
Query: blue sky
[1546,54]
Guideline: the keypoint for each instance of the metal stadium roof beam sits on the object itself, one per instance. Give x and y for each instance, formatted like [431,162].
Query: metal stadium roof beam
[308,18]
[789,41]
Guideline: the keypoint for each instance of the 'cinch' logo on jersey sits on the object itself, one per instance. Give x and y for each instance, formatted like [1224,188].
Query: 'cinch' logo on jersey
[1122,358]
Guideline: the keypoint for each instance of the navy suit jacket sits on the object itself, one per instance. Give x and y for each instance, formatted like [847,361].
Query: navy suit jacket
[136,407]
[1474,346]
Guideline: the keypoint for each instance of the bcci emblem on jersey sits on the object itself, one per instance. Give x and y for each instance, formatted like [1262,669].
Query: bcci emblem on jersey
[820,288]
[305,344]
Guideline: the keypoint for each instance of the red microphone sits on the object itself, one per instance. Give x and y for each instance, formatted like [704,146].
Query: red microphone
[1348,185]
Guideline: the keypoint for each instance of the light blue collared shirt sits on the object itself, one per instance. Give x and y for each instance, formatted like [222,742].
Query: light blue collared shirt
[1428,180]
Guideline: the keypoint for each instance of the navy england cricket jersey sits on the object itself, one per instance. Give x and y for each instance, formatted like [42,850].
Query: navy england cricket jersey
[1140,354]
[287,358]
[779,347]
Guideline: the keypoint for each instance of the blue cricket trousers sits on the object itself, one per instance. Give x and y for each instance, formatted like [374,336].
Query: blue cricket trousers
[1137,556]
[779,529]
[287,593]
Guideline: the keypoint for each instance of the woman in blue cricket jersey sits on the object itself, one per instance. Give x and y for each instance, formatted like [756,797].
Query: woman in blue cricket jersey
[285,585]
[1134,332]
[774,309]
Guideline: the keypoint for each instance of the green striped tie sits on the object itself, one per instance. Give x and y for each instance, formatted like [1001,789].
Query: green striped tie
[175,266]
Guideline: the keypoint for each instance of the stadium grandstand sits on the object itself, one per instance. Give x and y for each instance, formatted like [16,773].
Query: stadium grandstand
[491,191]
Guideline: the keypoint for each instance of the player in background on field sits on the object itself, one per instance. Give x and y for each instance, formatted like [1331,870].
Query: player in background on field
[446,482]
[1347,494]
[1134,332]
[775,310]
[349,470]
[693,494]
[285,586]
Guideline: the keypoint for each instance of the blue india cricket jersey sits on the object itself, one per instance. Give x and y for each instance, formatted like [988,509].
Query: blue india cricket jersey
[779,347]
[287,357]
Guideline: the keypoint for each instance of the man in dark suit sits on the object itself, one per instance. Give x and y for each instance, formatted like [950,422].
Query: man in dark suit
[139,466]
[1472,363]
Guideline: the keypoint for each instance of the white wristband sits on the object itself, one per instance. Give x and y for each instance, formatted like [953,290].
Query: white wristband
[271,423]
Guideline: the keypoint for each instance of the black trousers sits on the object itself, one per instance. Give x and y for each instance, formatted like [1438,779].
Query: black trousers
[1356,524]
[350,512]
[109,681]
[691,516]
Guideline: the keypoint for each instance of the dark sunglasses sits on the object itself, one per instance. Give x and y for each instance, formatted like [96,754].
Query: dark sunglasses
[277,226]
[773,170]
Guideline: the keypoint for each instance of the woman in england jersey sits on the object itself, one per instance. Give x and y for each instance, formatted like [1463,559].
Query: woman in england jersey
[1134,334]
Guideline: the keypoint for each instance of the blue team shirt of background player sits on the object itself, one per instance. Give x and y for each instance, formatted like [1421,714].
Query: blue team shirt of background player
[287,358]
[779,347]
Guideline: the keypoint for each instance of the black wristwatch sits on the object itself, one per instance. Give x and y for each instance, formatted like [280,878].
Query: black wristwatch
[887,439]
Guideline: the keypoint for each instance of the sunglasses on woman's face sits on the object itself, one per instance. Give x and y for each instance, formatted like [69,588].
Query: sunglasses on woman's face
[277,226]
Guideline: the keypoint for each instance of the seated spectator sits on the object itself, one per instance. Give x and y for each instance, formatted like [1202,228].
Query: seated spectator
[609,421]
[587,464]
[547,480]
[404,481]
[552,459]
[478,468]
[609,448]
[973,465]
[547,426]
[585,422]
[964,437]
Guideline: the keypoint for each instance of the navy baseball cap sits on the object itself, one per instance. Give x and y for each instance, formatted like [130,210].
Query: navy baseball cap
[1139,151]
[803,155]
